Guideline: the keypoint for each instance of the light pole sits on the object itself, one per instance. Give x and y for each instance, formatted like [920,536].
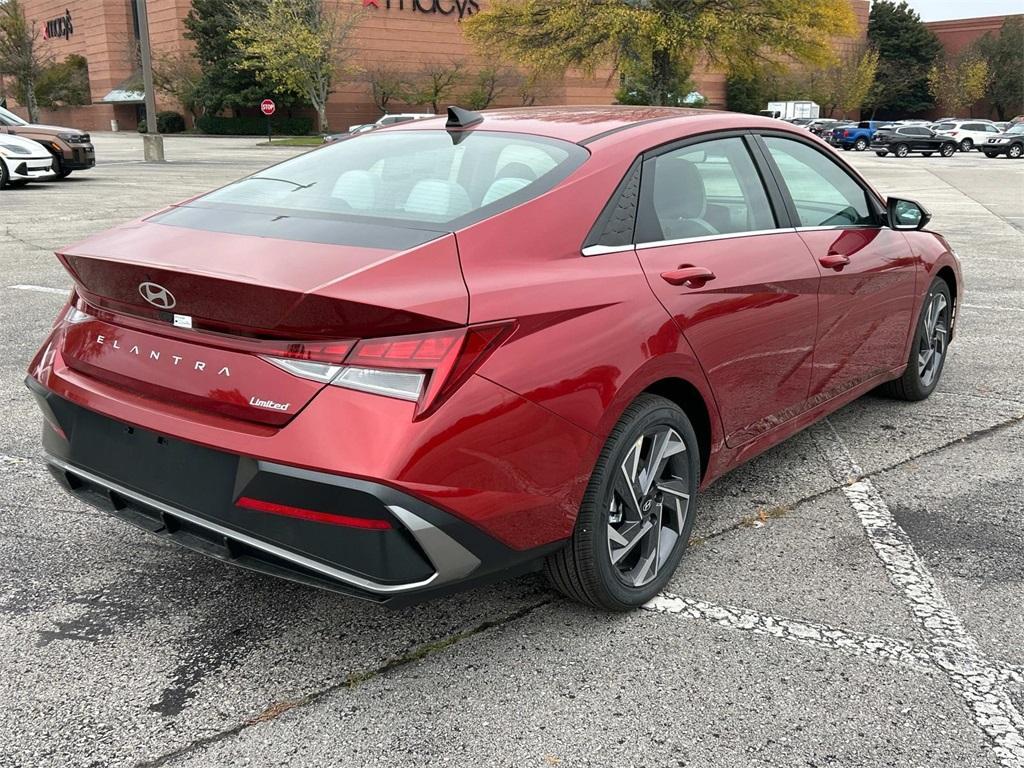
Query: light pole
[152,141]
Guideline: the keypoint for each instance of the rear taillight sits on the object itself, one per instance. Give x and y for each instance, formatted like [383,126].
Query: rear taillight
[845,134]
[424,368]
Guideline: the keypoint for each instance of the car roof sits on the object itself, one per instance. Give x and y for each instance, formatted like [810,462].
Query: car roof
[588,124]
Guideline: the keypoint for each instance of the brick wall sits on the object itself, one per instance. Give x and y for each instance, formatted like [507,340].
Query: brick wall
[400,36]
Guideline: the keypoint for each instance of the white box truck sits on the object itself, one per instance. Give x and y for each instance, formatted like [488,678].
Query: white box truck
[791,110]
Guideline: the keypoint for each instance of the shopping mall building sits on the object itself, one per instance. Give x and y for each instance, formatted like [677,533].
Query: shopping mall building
[402,33]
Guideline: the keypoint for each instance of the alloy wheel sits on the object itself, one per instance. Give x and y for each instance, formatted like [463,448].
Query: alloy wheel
[932,344]
[1015,151]
[649,505]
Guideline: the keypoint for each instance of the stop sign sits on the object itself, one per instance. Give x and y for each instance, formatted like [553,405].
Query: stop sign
[268,107]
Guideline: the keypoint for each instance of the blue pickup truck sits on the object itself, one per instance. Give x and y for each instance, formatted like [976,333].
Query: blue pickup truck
[857,136]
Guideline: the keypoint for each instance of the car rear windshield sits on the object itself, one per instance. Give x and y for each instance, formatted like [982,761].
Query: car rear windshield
[432,179]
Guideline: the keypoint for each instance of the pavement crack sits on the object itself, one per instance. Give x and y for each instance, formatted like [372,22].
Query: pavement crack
[764,516]
[276,709]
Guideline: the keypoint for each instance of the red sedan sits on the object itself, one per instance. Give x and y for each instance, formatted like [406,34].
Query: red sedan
[456,350]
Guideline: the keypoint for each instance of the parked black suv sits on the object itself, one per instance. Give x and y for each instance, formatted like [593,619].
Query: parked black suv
[904,139]
[1009,143]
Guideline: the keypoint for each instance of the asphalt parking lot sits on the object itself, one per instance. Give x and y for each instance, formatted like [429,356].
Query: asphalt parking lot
[855,597]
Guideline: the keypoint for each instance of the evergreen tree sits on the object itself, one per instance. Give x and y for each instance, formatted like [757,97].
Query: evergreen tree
[907,50]
[225,84]
[1004,54]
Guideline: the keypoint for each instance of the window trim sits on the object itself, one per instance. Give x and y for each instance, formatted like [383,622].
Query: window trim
[875,205]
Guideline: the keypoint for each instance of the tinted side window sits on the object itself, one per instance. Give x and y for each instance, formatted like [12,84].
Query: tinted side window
[711,188]
[823,193]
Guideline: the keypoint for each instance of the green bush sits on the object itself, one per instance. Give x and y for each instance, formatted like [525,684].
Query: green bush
[166,122]
[254,126]
[170,122]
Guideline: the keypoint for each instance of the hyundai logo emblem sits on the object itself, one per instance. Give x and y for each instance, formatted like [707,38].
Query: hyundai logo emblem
[157,295]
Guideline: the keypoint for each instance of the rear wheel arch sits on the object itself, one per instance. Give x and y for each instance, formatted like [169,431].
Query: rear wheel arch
[689,399]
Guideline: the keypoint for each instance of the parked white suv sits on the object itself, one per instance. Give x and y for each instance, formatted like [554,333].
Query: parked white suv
[967,133]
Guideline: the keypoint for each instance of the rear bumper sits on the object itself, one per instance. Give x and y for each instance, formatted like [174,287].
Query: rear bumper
[189,493]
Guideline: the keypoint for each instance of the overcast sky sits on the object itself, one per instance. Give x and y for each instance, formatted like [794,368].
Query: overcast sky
[937,10]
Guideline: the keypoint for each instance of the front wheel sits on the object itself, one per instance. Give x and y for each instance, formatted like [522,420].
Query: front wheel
[881,154]
[901,150]
[637,513]
[928,352]
[966,145]
[59,170]
[948,149]
[992,154]
[5,178]
[927,154]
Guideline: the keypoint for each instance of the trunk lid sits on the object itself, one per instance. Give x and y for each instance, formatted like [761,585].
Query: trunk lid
[191,309]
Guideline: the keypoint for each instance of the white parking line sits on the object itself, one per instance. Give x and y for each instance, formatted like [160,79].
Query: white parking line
[41,289]
[995,308]
[863,644]
[957,653]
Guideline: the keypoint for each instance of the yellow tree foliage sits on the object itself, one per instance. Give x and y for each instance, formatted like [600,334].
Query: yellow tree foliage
[298,46]
[958,83]
[670,34]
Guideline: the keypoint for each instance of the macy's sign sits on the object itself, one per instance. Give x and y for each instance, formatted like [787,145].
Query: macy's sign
[445,7]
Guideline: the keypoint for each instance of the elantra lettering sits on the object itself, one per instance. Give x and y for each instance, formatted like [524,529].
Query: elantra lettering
[154,354]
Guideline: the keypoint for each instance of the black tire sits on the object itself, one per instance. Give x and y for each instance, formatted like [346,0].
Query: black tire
[58,168]
[901,150]
[927,154]
[583,570]
[881,154]
[948,149]
[861,144]
[846,147]
[967,145]
[5,178]
[913,385]
[1015,152]
[992,154]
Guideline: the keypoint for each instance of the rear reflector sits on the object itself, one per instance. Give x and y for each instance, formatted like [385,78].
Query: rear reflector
[366,523]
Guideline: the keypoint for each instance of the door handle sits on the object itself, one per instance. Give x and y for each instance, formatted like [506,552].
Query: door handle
[691,277]
[834,261]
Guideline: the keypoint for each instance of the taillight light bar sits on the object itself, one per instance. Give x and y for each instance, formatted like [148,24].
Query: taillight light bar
[424,368]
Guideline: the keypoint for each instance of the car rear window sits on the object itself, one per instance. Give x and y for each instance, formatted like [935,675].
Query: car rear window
[433,179]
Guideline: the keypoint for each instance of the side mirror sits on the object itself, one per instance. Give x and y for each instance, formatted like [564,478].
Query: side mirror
[907,214]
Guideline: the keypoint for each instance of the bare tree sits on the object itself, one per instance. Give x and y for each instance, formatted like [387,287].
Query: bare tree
[489,84]
[20,57]
[387,84]
[435,82]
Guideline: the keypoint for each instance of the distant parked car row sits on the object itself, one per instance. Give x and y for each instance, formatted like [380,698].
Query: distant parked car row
[383,122]
[30,151]
[903,137]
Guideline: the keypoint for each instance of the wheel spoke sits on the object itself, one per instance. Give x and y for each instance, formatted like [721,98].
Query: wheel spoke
[665,445]
[627,542]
